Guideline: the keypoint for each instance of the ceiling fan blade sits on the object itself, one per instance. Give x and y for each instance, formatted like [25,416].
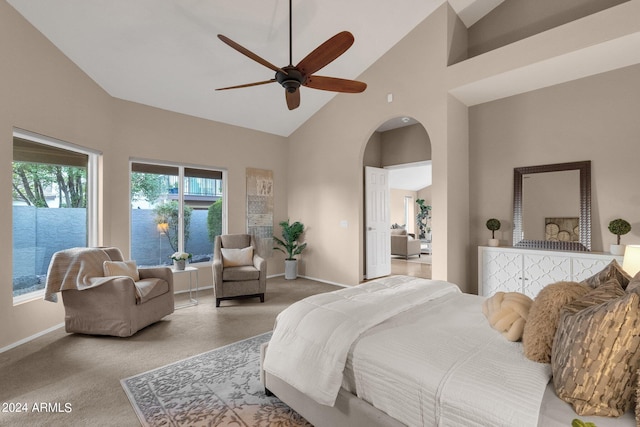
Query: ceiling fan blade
[248,85]
[334,84]
[293,99]
[325,53]
[249,54]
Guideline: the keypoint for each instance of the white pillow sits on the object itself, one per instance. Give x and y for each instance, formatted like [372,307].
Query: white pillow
[237,257]
[121,268]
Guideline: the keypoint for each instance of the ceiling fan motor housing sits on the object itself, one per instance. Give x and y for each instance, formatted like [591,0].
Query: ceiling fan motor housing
[292,80]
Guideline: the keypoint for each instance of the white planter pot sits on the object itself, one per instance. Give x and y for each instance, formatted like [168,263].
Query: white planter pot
[179,264]
[494,242]
[290,269]
[616,249]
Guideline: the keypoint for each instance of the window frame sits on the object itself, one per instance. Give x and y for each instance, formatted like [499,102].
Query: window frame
[94,212]
[181,174]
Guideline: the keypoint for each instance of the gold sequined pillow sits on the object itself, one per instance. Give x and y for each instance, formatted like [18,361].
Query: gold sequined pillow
[637,411]
[595,357]
[603,293]
[634,284]
[612,271]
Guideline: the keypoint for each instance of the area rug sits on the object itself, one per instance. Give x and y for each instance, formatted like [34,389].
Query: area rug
[218,388]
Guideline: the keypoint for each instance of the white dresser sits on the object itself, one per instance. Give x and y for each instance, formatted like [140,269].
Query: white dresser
[527,271]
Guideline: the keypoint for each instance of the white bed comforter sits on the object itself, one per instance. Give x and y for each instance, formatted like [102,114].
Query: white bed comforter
[441,364]
[312,338]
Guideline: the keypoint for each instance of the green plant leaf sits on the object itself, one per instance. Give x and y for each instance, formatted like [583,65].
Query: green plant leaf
[289,242]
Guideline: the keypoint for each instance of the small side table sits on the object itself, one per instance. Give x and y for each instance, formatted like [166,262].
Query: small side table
[192,300]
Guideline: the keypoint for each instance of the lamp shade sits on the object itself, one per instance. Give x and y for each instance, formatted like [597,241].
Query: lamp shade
[631,262]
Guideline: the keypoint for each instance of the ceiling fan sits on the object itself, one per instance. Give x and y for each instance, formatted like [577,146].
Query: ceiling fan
[292,77]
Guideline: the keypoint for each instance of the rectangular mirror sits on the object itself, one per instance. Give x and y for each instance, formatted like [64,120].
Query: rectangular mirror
[552,206]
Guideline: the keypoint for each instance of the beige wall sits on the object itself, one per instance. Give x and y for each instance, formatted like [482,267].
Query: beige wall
[323,198]
[517,19]
[425,194]
[408,144]
[44,92]
[594,118]
[396,205]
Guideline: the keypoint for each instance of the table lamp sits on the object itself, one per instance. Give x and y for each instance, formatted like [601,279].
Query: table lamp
[631,262]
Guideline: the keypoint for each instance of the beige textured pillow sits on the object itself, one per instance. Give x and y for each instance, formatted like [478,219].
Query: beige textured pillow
[237,257]
[613,270]
[596,358]
[121,268]
[541,325]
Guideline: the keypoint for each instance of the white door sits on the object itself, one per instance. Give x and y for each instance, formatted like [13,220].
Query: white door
[378,235]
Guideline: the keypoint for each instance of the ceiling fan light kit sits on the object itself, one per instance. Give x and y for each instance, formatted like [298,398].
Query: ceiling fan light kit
[292,77]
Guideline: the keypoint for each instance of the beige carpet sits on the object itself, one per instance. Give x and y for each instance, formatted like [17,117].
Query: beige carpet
[77,377]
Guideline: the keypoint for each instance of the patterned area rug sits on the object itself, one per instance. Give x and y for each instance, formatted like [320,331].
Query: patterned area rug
[217,388]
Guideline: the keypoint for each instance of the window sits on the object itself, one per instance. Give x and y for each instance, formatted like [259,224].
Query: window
[174,208]
[53,196]
[408,213]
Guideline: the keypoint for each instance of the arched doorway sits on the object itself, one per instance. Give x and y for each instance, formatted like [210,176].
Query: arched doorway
[399,146]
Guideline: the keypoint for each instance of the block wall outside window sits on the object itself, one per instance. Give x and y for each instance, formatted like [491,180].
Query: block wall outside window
[51,201]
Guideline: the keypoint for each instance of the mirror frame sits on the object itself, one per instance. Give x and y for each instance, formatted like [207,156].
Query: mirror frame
[584,243]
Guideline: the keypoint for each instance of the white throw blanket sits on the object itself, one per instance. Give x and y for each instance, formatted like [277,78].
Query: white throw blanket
[312,337]
[76,268]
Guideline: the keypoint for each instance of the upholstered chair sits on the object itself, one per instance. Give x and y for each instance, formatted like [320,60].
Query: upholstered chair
[404,244]
[238,271]
[105,295]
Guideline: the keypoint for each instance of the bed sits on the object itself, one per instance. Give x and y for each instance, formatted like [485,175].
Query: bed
[408,351]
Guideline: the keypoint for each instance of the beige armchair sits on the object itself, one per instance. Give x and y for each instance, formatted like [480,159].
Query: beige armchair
[118,303]
[404,244]
[238,271]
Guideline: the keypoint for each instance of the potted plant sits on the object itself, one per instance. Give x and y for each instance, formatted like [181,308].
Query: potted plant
[493,225]
[618,227]
[423,220]
[180,259]
[290,247]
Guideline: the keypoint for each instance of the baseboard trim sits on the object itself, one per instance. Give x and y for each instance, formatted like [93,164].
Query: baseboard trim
[342,285]
[30,338]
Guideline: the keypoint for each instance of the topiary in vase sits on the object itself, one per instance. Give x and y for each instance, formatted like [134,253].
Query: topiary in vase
[619,227]
[493,225]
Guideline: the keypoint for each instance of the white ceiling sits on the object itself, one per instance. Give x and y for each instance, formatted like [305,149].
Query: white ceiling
[165,53]
[410,176]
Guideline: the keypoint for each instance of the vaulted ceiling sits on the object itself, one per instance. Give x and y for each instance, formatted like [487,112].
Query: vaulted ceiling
[165,53]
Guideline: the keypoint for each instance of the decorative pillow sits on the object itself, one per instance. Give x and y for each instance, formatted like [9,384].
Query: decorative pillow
[638,398]
[603,293]
[507,313]
[121,268]
[634,284]
[612,271]
[237,257]
[595,357]
[541,325]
